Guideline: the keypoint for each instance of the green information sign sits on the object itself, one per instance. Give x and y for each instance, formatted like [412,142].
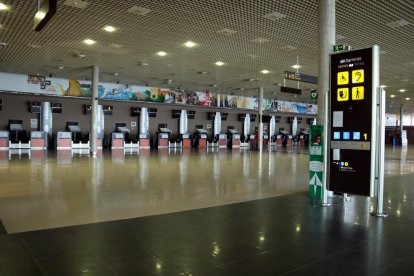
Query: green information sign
[315,162]
[314,96]
[341,47]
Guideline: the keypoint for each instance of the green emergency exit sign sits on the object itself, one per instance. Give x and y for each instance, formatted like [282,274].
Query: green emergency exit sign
[341,47]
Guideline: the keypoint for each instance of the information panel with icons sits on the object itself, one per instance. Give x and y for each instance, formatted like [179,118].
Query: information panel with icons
[354,77]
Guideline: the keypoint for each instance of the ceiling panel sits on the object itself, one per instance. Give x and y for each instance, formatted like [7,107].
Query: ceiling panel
[131,50]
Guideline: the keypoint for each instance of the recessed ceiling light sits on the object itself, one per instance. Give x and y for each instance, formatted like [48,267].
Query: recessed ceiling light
[4,7]
[383,86]
[219,63]
[190,44]
[392,96]
[407,99]
[265,71]
[161,53]
[296,66]
[89,41]
[402,90]
[109,29]
[61,67]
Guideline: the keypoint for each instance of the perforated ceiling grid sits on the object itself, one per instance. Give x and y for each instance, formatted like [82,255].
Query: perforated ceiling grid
[170,23]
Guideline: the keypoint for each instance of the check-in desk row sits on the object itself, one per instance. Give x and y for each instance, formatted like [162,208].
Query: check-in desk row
[37,141]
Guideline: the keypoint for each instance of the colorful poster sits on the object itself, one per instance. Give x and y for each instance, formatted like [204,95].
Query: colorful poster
[80,88]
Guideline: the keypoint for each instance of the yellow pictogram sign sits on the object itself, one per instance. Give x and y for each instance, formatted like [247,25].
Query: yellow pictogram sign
[343,94]
[343,78]
[357,93]
[358,76]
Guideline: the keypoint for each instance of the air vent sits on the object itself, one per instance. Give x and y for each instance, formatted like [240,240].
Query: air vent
[274,16]
[339,37]
[226,32]
[115,46]
[260,40]
[35,46]
[76,4]
[398,23]
[139,10]
[288,48]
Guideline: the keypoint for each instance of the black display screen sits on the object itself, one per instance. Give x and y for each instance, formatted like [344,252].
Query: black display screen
[351,97]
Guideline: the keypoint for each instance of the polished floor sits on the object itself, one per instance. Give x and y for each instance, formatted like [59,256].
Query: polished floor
[258,220]
[62,189]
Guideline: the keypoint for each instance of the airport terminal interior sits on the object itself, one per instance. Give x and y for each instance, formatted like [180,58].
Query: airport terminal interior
[183,137]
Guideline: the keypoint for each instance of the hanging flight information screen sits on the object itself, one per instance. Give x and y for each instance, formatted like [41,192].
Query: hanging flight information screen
[353,80]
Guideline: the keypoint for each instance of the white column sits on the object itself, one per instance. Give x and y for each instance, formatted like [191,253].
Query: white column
[326,27]
[260,119]
[401,122]
[94,110]
[46,121]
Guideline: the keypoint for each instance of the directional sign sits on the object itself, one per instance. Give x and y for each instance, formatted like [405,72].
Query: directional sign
[300,77]
[341,47]
[354,78]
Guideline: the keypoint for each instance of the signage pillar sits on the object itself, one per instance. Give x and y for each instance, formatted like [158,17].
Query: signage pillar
[354,139]
[316,162]
[326,41]
[94,110]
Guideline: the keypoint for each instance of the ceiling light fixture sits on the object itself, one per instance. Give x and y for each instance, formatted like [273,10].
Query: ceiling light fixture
[392,96]
[4,7]
[161,53]
[190,44]
[219,63]
[109,29]
[383,86]
[296,66]
[407,99]
[40,15]
[265,71]
[402,90]
[89,41]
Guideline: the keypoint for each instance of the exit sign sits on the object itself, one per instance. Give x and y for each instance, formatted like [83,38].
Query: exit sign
[341,47]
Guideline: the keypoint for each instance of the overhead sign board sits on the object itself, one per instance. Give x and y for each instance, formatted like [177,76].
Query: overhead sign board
[300,77]
[291,90]
[354,78]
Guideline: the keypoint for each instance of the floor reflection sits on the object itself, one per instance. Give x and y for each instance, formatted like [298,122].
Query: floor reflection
[48,189]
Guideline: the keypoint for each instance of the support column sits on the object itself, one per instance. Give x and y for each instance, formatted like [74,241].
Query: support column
[46,121]
[326,41]
[401,122]
[94,111]
[260,119]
